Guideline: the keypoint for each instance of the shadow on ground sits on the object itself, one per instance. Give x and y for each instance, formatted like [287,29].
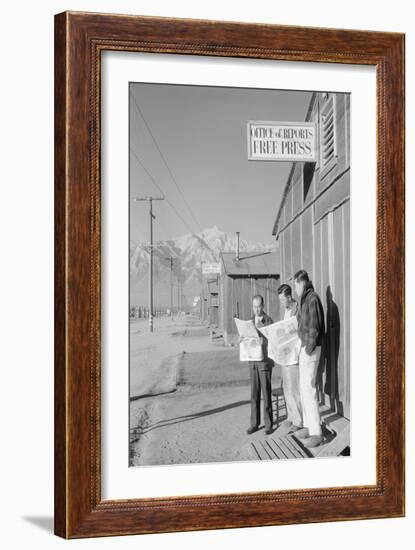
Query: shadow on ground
[211,369]
[192,416]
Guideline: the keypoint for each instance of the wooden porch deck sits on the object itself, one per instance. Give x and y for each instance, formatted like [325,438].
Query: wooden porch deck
[278,446]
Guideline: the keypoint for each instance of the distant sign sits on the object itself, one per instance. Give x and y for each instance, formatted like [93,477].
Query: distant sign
[283,141]
[211,268]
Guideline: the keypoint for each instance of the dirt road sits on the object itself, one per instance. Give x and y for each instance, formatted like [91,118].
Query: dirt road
[205,416]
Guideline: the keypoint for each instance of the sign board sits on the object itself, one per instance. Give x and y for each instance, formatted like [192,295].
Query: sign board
[282,141]
[210,268]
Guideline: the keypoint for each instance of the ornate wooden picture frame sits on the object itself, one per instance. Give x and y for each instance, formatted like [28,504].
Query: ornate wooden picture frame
[80,38]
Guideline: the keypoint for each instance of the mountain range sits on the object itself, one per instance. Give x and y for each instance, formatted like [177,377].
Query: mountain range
[188,252]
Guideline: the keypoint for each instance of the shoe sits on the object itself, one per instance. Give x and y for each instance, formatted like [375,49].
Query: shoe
[303,432]
[294,428]
[252,430]
[313,441]
[269,431]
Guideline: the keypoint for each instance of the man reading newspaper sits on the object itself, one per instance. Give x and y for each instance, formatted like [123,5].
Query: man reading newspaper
[290,369]
[260,370]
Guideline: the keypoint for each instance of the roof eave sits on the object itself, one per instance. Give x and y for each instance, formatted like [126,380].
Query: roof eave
[275,232]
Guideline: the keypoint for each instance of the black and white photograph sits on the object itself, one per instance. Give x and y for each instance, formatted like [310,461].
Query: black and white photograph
[239,262]
[207,255]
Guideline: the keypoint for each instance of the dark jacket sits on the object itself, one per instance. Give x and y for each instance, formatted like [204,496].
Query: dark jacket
[310,319]
[266,320]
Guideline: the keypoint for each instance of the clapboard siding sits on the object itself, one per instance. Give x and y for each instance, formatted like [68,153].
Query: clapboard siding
[346,290]
[314,234]
[296,246]
[307,240]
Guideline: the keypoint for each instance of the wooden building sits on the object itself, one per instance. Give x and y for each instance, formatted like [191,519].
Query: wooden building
[213,301]
[210,301]
[240,279]
[204,309]
[313,231]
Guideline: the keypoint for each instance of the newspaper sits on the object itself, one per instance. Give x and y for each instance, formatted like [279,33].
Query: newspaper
[250,348]
[283,342]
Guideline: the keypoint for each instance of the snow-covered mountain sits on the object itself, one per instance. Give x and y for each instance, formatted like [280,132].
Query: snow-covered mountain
[188,252]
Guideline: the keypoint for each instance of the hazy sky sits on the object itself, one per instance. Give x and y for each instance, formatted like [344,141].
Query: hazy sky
[202,133]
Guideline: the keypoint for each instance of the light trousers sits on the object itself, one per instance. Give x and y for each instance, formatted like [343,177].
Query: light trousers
[308,366]
[291,385]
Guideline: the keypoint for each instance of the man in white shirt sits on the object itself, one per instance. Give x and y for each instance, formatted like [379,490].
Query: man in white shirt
[290,373]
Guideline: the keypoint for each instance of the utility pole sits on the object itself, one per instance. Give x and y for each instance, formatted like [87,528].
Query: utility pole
[171,260]
[150,263]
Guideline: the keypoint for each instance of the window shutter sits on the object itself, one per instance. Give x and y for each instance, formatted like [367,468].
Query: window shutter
[327,133]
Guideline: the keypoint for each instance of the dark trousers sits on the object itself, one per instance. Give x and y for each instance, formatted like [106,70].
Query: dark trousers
[260,374]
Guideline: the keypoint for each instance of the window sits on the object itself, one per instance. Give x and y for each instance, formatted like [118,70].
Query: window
[308,174]
[327,132]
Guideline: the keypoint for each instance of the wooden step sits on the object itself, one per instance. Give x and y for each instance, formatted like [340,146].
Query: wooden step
[336,430]
[279,448]
[336,433]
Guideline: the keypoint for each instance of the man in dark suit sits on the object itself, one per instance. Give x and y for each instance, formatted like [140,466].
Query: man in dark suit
[260,372]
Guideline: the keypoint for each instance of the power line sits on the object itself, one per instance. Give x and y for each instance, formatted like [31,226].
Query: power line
[171,260]
[205,244]
[173,179]
[146,171]
[161,191]
[165,163]
[150,264]
[170,204]
[169,248]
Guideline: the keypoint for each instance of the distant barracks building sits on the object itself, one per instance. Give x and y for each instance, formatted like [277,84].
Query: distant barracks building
[313,231]
[241,279]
